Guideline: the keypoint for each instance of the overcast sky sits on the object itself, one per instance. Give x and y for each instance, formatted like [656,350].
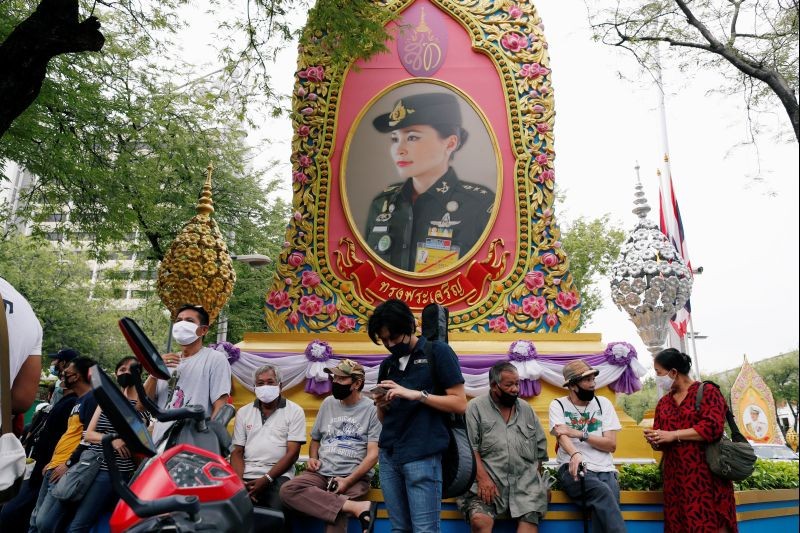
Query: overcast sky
[739,203]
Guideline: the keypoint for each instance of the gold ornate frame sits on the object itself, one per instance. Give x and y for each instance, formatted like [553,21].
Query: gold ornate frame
[537,292]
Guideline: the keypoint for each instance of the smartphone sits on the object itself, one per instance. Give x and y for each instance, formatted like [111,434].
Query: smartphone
[378,391]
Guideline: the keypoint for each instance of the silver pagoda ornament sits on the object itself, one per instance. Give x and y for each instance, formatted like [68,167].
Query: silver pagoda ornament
[649,280]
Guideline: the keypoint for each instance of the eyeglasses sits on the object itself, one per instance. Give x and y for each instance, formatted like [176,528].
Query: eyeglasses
[69,375]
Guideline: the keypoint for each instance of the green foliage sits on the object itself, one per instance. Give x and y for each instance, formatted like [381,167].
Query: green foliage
[636,404]
[56,283]
[592,247]
[114,139]
[640,477]
[771,475]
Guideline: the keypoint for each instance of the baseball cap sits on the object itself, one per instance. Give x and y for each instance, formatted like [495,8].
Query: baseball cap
[65,354]
[347,368]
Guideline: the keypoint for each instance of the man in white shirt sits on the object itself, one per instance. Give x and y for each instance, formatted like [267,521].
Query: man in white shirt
[585,427]
[201,376]
[25,348]
[267,436]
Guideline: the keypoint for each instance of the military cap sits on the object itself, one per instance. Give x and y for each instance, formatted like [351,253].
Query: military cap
[426,108]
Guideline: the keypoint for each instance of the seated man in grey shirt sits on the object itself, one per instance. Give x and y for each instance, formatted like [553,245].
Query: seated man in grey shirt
[510,446]
[343,450]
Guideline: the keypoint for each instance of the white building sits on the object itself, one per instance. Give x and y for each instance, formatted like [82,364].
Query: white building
[129,279]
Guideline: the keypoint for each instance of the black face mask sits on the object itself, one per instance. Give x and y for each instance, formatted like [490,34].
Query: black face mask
[400,349]
[126,380]
[506,399]
[341,391]
[584,395]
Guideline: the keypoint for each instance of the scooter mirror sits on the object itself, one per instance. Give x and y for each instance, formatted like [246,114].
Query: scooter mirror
[144,349]
[121,413]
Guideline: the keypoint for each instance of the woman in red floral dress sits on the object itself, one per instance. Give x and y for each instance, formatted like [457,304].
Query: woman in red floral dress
[695,500]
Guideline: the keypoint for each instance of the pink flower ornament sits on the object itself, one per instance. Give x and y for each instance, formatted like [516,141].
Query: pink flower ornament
[567,300]
[551,320]
[314,74]
[549,260]
[515,12]
[498,324]
[279,299]
[534,280]
[304,161]
[514,42]
[303,131]
[310,279]
[534,306]
[296,259]
[311,305]
[345,323]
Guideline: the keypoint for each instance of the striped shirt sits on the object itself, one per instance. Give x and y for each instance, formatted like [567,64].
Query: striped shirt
[104,426]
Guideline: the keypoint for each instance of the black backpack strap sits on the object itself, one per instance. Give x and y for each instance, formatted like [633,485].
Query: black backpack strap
[597,399]
[562,405]
[736,435]
[427,349]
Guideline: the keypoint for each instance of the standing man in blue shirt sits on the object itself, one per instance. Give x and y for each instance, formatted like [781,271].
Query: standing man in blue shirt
[420,381]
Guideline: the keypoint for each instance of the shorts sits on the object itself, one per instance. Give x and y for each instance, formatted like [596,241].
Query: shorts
[471,504]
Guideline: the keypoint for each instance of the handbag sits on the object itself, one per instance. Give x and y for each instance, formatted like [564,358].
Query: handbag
[12,453]
[733,458]
[76,480]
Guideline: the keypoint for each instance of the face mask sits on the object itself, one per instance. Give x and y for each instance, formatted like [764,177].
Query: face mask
[267,393]
[53,370]
[665,382]
[401,349]
[185,332]
[584,395]
[341,391]
[506,399]
[126,380]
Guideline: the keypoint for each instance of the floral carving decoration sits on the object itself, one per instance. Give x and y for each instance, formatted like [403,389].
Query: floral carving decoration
[538,293]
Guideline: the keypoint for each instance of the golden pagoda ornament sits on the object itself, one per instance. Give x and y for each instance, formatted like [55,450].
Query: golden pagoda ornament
[791,438]
[197,268]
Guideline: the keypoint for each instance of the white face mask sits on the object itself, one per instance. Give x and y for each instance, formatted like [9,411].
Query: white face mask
[267,393]
[665,382]
[185,332]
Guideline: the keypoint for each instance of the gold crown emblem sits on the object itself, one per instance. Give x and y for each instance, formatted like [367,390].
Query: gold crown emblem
[399,113]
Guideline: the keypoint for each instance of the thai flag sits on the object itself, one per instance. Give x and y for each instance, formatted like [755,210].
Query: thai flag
[672,227]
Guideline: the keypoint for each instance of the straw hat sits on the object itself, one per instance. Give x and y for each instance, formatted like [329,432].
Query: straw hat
[576,371]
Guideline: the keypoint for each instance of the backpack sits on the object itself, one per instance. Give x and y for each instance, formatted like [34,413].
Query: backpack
[458,461]
[733,458]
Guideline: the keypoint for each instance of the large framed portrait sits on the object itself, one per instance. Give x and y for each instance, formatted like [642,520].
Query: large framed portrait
[421,177]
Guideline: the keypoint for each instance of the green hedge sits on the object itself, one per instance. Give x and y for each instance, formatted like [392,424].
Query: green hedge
[768,475]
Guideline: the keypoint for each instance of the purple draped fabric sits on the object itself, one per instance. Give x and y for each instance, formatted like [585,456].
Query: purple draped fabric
[530,388]
[317,387]
[480,364]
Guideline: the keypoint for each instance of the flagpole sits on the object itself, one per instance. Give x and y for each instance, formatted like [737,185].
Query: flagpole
[695,361]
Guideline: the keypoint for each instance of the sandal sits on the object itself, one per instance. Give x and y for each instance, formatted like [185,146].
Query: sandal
[367,518]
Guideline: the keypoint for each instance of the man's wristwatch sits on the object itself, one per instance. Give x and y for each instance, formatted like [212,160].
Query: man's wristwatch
[424,396]
[585,435]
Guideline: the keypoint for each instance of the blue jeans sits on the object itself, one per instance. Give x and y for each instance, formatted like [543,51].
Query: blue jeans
[98,499]
[602,497]
[416,485]
[44,517]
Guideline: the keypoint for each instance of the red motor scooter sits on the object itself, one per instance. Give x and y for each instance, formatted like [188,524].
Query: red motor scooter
[186,484]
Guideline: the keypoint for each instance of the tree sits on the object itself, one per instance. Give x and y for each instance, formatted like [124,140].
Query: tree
[345,29]
[592,246]
[752,43]
[113,141]
[637,404]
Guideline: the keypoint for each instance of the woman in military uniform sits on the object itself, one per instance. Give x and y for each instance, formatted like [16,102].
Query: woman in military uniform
[431,219]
